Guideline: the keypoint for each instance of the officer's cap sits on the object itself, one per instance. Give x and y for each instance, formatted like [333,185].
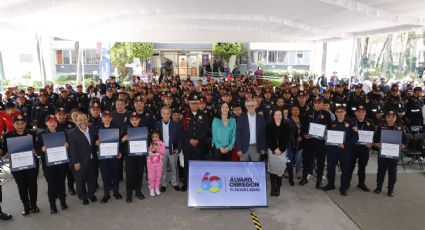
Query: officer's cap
[106,113]
[60,110]
[193,98]
[359,86]
[50,117]
[340,107]
[390,112]
[19,118]
[360,107]
[134,115]
[138,99]
[9,105]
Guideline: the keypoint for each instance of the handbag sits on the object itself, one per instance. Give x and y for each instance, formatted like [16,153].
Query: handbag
[277,163]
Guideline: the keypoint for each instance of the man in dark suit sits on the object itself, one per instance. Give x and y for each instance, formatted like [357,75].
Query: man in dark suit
[83,157]
[251,134]
[171,136]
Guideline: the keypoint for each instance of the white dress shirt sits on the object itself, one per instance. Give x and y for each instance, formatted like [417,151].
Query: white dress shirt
[165,133]
[252,129]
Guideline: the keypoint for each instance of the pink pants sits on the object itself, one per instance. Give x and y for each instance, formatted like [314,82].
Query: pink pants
[154,174]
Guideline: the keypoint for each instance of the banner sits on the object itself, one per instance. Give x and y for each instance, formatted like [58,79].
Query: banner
[205,59]
[214,184]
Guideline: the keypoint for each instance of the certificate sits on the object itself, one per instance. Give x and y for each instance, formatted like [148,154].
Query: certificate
[138,148]
[365,137]
[56,155]
[22,160]
[334,137]
[317,130]
[390,150]
[108,150]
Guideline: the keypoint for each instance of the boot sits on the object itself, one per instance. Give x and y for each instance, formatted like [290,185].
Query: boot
[304,180]
[53,208]
[278,185]
[291,180]
[26,210]
[318,181]
[63,204]
[4,216]
[272,184]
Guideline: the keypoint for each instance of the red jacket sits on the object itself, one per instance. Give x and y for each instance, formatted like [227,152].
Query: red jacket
[6,121]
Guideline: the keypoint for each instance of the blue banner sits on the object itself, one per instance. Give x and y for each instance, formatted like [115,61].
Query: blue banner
[214,184]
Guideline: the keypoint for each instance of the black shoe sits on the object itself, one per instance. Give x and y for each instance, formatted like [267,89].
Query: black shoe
[140,195]
[343,192]
[377,190]
[117,196]
[176,188]
[163,188]
[390,194]
[272,191]
[85,202]
[363,187]
[4,216]
[93,198]
[183,189]
[53,208]
[72,191]
[129,199]
[291,180]
[64,206]
[105,199]
[328,187]
[303,182]
[277,191]
[26,212]
[35,209]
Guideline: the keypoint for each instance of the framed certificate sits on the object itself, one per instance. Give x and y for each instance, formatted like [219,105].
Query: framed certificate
[365,137]
[21,152]
[109,141]
[317,130]
[334,137]
[390,150]
[56,152]
[138,141]
[390,144]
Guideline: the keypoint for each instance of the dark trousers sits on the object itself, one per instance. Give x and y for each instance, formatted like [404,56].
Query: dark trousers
[384,165]
[85,180]
[55,176]
[27,186]
[314,150]
[218,156]
[335,155]
[70,178]
[110,170]
[191,153]
[359,154]
[135,166]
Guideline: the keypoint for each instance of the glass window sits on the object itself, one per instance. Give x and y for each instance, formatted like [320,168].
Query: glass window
[281,56]
[91,57]
[74,56]
[272,56]
[66,57]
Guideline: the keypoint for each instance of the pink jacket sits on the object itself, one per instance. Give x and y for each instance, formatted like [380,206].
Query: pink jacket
[159,155]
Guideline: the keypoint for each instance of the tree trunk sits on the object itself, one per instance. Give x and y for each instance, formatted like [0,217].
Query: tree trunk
[365,47]
[387,55]
[380,54]
[324,56]
[402,57]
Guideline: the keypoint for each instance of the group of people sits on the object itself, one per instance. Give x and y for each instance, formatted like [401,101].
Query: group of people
[236,120]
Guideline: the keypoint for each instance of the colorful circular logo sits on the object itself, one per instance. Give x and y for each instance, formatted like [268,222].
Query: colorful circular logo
[212,184]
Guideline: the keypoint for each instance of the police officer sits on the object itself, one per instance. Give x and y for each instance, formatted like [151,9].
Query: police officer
[355,99]
[374,101]
[393,101]
[195,131]
[26,179]
[81,99]
[110,168]
[360,151]
[342,152]
[387,164]
[94,118]
[55,174]
[414,108]
[66,100]
[146,118]
[108,101]
[314,147]
[40,110]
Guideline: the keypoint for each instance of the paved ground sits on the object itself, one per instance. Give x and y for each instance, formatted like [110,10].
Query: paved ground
[297,208]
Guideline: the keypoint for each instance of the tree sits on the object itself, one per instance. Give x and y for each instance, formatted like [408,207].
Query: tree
[227,49]
[140,50]
[120,57]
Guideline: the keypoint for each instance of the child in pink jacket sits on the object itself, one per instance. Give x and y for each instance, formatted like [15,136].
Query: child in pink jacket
[157,152]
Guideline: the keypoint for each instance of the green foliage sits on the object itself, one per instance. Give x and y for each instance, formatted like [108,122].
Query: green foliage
[120,57]
[227,49]
[140,50]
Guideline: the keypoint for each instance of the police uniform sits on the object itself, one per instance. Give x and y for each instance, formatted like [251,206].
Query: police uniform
[108,103]
[387,164]
[68,103]
[40,111]
[336,154]
[82,102]
[55,174]
[26,179]
[314,148]
[360,152]
[195,126]
[414,111]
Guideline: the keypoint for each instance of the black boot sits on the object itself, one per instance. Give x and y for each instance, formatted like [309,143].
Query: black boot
[272,185]
[278,185]
[4,216]
[291,180]
[318,181]
[26,210]
[63,204]
[304,180]
[53,208]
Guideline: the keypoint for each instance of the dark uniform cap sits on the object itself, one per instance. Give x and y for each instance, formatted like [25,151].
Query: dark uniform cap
[60,110]
[301,93]
[359,86]
[9,105]
[390,112]
[138,99]
[360,107]
[340,107]
[19,118]
[416,89]
[42,94]
[134,115]
[106,113]
[50,117]
[95,105]
[193,98]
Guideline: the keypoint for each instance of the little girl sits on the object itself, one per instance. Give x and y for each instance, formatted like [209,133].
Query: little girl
[154,163]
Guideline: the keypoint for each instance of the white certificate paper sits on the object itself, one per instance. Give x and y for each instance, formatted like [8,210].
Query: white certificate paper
[334,137]
[108,149]
[22,159]
[365,137]
[317,130]
[138,146]
[56,154]
[390,150]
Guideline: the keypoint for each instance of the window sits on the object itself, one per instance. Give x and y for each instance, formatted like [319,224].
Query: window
[74,56]
[272,56]
[66,57]
[281,56]
[300,54]
[91,57]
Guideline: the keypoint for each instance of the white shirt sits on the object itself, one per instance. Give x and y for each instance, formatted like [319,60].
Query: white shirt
[252,129]
[367,86]
[87,134]
[165,133]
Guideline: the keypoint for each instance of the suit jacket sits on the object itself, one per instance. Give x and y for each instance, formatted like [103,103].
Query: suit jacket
[80,150]
[243,136]
[174,133]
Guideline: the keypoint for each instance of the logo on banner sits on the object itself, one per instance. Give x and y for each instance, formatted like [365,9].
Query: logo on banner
[212,183]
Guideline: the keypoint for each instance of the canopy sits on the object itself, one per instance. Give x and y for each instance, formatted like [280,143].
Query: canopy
[208,21]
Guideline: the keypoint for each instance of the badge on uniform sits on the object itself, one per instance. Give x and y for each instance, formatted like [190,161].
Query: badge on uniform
[398,128]
[346,125]
[322,116]
[200,117]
